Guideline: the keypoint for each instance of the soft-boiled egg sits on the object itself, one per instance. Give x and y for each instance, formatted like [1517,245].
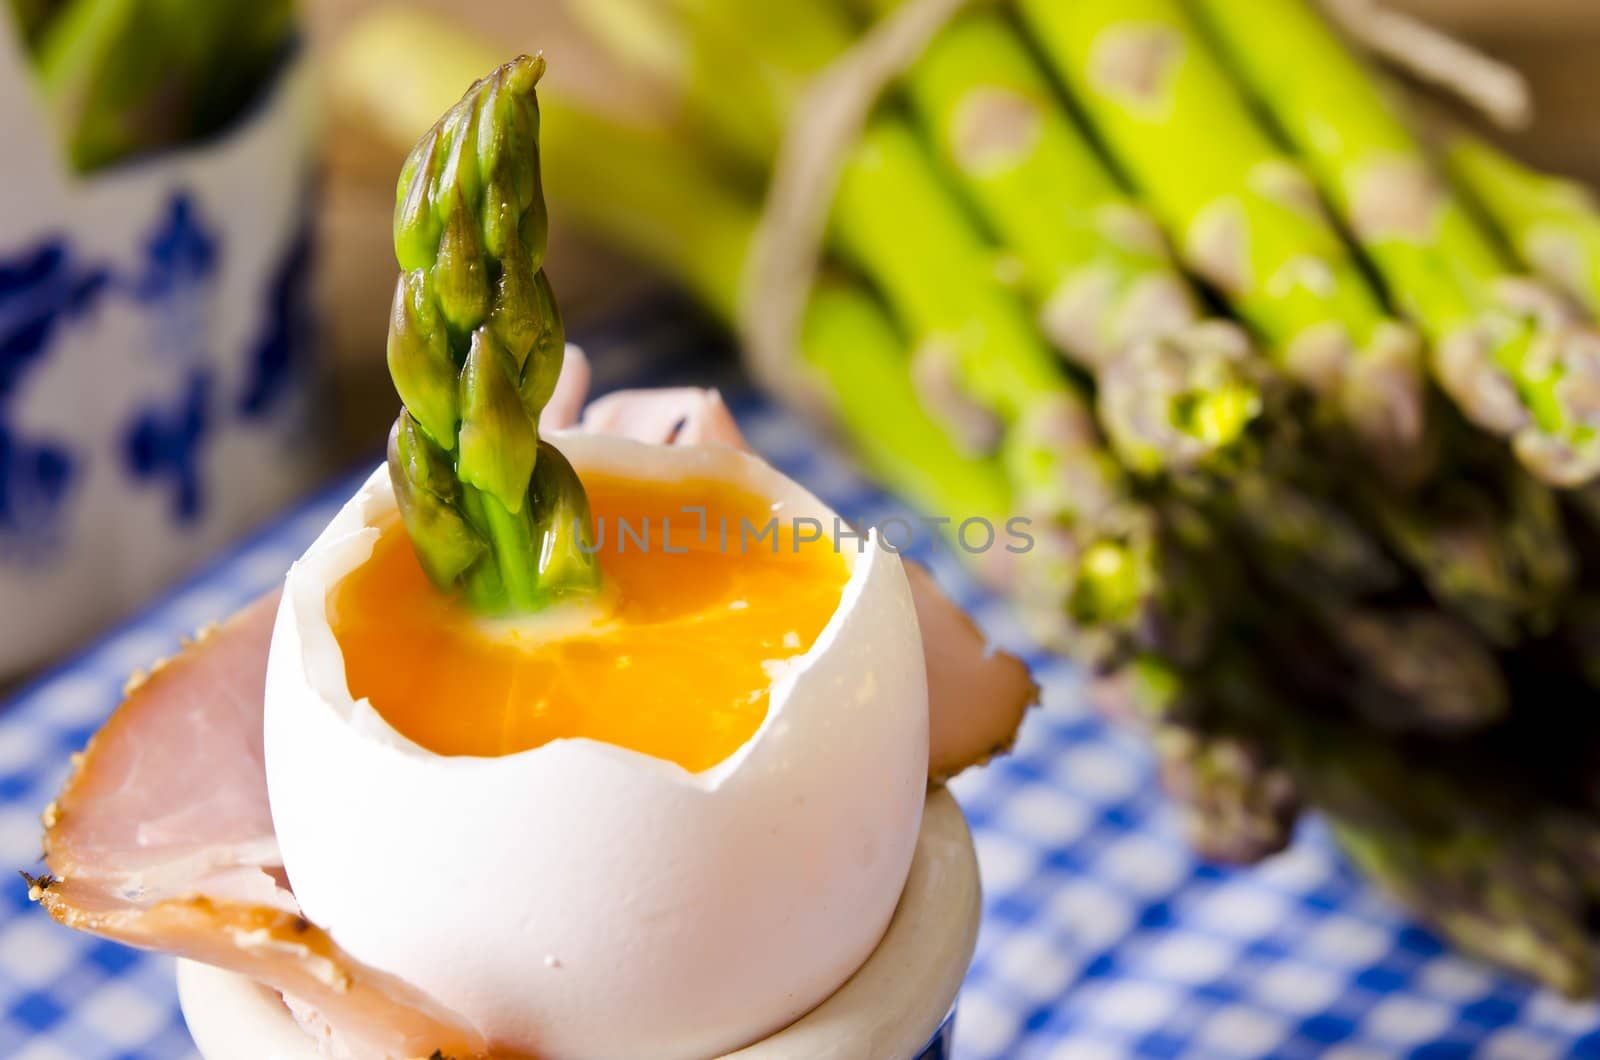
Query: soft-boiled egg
[665,825]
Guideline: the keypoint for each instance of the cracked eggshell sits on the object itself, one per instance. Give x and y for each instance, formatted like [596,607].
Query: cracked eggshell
[580,899]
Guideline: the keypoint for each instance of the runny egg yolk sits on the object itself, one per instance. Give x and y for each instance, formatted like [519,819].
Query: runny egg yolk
[681,668]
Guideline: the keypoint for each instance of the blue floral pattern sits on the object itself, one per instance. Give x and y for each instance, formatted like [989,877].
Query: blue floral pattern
[46,288]
[278,359]
[41,291]
[164,443]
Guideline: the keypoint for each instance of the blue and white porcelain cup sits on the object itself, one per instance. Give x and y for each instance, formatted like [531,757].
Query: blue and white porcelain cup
[156,356]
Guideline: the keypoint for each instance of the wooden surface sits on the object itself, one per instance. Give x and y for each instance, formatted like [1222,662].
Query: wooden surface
[1556,45]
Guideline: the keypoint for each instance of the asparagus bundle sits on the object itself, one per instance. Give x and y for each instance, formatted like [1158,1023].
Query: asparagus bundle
[1106,291]
[1188,398]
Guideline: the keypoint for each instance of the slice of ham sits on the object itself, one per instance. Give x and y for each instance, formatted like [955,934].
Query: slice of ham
[976,694]
[162,838]
[681,416]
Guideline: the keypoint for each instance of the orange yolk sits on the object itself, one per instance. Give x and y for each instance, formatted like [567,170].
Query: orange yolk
[680,669]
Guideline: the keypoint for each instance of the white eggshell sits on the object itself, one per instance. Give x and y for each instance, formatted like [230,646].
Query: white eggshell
[581,900]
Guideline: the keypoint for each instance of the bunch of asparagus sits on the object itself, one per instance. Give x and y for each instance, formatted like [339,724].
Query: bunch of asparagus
[124,78]
[1304,406]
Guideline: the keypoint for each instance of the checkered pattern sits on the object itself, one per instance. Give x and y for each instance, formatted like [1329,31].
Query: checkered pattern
[1102,937]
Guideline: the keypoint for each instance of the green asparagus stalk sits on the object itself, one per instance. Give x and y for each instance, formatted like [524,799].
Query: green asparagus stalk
[1411,670]
[1552,224]
[1237,802]
[1176,393]
[1402,667]
[1489,892]
[125,77]
[1302,540]
[1236,798]
[1476,851]
[983,366]
[475,347]
[1243,215]
[1488,542]
[850,341]
[795,40]
[1503,347]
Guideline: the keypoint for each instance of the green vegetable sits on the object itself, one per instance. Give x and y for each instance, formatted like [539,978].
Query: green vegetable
[1237,800]
[1553,224]
[1175,392]
[1242,214]
[1502,346]
[124,78]
[848,338]
[475,347]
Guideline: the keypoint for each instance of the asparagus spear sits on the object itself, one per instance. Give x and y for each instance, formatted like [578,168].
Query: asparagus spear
[851,342]
[1504,348]
[1176,393]
[983,365]
[794,41]
[1243,215]
[1473,850]
[1488,541]
[124,77]
[475,346]
[1489,892]
[1552,224]
[1408,670]
[1235,796]
[1237,801]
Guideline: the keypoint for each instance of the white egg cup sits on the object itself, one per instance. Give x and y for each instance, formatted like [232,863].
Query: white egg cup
[889,1009]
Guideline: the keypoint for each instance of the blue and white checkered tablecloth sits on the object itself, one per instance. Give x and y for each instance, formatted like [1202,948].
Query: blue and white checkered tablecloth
[1103,936]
